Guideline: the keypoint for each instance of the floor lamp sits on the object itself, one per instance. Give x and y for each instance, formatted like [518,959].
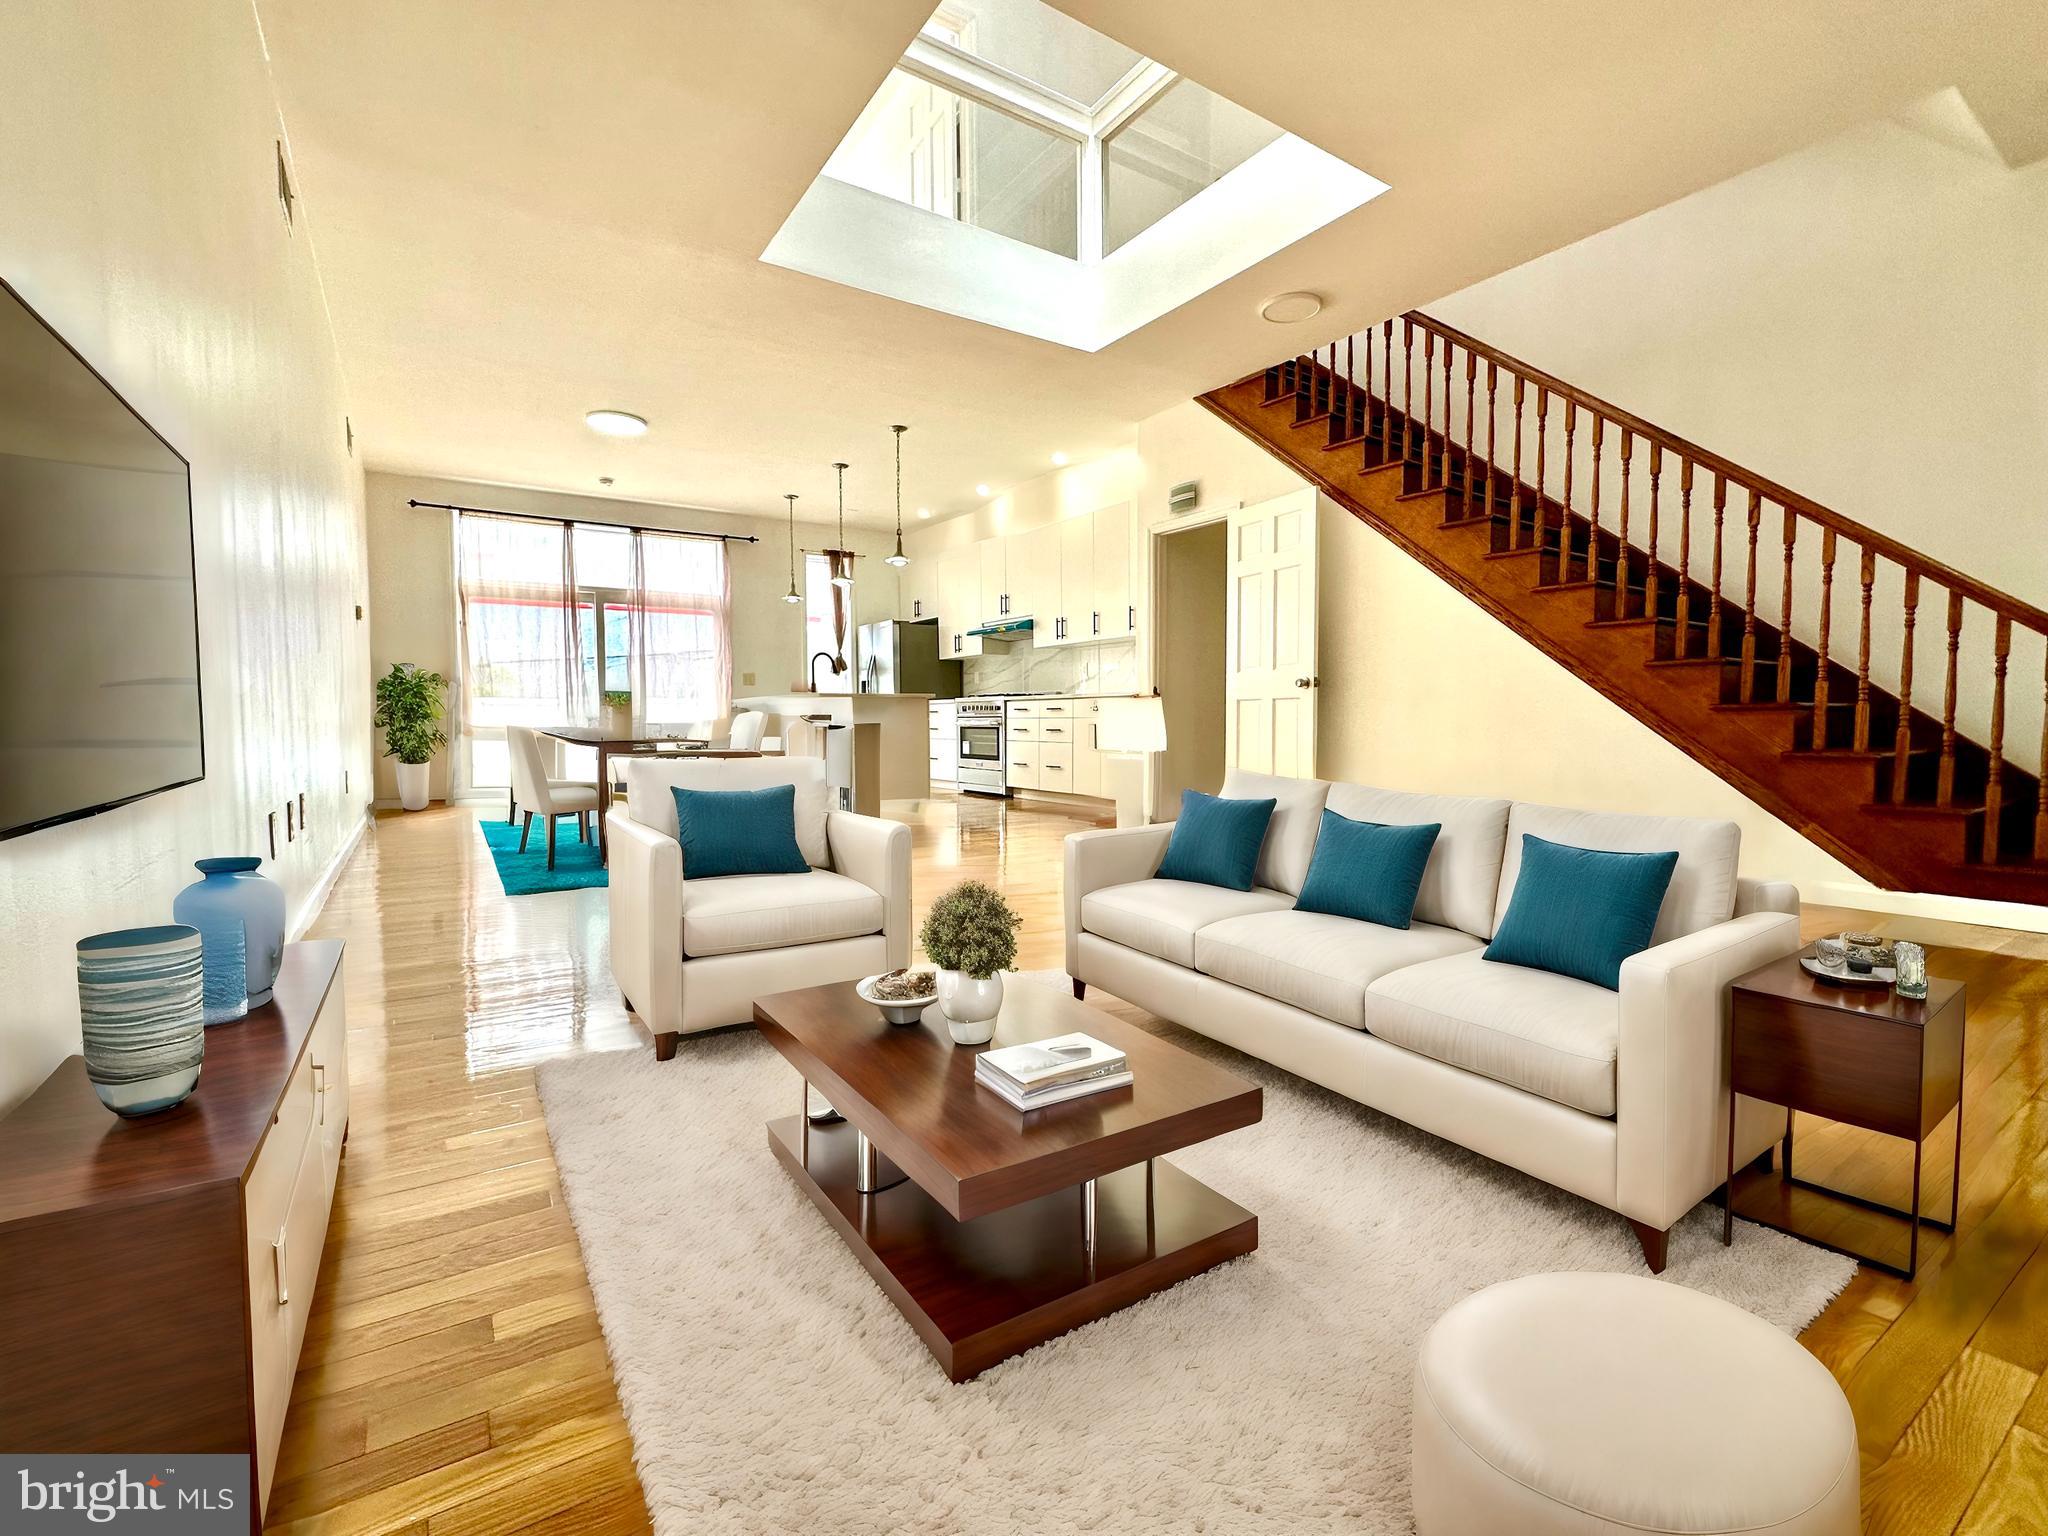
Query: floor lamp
[1127,735]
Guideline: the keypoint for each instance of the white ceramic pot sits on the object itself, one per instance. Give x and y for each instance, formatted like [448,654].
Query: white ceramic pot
[618,720]
[412,785]
[970,1006]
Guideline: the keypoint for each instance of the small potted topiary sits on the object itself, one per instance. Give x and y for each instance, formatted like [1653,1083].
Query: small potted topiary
[618,713]
[409,715]
[970,934]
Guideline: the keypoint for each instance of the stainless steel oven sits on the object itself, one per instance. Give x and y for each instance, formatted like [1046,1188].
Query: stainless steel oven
[981,746]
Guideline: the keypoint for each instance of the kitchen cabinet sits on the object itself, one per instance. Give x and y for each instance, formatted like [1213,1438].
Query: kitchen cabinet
[919,586]
[1032,577]
[993,603]
[1114,601]
[959,598]
[1070,625]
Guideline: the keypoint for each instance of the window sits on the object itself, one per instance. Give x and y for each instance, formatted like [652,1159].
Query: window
[828,619]
[1015,118]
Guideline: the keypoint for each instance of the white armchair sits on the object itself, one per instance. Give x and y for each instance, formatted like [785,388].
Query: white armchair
[692,955]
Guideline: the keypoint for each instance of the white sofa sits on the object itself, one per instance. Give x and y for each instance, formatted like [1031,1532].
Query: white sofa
[1621,1097]
[692,955]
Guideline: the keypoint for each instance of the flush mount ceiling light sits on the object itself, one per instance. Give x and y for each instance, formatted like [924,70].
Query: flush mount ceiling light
[898,559]
[924,511]
[981,491]
[1291,308]
[792,595]
[611,423]
[842,560]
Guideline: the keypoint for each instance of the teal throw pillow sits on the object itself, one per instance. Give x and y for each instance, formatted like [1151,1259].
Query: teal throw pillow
[1367,870]
[1581,911]
[1216,842]
[738,831]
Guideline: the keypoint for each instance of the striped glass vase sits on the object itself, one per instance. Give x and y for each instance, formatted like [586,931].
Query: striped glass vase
[141,1016]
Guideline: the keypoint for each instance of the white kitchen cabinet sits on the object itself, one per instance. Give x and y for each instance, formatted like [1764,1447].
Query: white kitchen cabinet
[1087,772]
[1113,614]
[959,599]
[1032,577]
[993,605]
[1070,624]
[919,586]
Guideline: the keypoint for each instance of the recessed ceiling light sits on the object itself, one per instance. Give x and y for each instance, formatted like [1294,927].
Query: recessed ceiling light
[1059,460]
[982,491]
[924,511]
[1290,308]
[615,423]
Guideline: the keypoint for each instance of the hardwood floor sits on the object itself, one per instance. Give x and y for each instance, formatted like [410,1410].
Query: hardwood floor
[454,1378]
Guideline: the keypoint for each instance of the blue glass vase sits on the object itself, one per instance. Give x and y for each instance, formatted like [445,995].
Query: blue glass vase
[235,907]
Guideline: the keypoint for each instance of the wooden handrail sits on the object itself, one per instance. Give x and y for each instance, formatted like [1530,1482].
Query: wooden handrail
[1865,538]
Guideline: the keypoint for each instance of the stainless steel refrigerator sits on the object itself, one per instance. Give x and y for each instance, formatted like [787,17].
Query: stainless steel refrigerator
[899,657]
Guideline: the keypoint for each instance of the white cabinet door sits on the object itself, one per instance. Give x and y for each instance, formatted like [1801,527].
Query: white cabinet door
[919,585]
[994,605]
[1087,760]
[1270,673]
[1113,614]
[1033,570]
[959,602]
[1075,619]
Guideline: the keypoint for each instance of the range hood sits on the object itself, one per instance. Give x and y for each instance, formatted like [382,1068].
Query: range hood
[1004,629]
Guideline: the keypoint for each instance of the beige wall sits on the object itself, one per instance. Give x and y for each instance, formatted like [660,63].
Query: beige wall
[412,579]
[1192,608]
[137,213]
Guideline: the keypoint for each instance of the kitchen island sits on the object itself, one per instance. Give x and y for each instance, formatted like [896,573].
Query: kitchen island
[904,770]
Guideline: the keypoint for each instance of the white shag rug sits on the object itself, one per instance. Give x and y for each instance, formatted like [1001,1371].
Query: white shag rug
[771,1386]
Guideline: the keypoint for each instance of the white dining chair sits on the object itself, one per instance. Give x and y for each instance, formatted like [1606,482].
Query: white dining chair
[803,738]
[538,795]
[748,726]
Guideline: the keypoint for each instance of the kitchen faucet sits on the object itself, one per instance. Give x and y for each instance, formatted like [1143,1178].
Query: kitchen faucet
[838,666]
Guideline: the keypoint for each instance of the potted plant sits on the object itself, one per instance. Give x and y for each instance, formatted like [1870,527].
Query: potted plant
[970,934]
[618,713]
[409,715]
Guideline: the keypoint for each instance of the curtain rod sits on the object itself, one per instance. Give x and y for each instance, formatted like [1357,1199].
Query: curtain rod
[594,522]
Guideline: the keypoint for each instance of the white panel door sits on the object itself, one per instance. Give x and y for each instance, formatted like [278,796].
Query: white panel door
[1112,612]
[1270,686]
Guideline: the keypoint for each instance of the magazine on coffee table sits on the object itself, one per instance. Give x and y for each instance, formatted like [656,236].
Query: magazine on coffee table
[1044,1064]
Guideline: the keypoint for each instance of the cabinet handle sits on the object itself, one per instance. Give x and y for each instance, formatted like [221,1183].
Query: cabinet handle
[1095,622]
[320,1092]
[277,1254]
[1054,768]
[1054,730]
[1132,621]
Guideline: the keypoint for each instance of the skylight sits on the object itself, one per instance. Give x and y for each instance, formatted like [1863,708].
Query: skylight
[1022,169]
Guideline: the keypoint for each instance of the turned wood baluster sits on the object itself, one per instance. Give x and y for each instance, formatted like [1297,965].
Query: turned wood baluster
[1994,788]
[1714,596]
[1650,577]
[1756,517]
[1684,646]
[1902,742]
[1820,677]
[1492,378]
[1945,779]
[1593,516]
[1867,574]
[1515,485]
[1367,427]
[1471,378]
[1621,560]
[1350,382]
[1443,474]
[1428,395]
[1542,518]
[1408,390]
[1387,406]
[2041,803]
[1564,528]
[1785,611]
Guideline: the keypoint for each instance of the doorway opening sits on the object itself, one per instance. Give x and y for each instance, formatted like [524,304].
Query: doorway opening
[1190,608]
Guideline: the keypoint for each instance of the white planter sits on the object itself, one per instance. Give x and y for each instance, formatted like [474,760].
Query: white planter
[412,785]
[618,721]
[970,1006]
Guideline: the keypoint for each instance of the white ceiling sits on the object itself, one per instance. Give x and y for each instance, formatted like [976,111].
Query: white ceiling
[525,210]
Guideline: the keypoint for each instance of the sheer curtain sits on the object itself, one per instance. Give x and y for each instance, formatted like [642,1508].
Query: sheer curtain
[681,631]
[523,643]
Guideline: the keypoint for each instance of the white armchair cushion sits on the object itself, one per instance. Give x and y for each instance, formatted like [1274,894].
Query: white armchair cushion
[1291,834]
[1160,917]
[1702,889]
[1463,874]
[1552,1035]
[649,780]
[742,912]
[1317,961]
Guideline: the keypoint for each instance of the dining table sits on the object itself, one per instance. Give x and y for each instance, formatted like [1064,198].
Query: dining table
[608,746]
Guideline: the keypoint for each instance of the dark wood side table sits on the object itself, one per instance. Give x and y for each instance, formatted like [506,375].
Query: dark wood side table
[1860,1055]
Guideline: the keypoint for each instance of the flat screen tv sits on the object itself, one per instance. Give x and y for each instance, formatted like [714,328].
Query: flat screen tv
[99,623]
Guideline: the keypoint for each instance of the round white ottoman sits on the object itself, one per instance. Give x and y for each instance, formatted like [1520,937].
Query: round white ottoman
[1616,1403]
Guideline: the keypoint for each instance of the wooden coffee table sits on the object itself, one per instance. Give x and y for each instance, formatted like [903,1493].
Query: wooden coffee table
[993,1229]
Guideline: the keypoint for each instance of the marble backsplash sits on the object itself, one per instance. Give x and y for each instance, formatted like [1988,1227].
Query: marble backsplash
[1076,669]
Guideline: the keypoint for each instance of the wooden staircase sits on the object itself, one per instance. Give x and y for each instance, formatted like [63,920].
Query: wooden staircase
[1647,566]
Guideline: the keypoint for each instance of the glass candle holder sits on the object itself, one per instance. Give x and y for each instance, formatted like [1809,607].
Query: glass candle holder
[1833,954]
[1909,962]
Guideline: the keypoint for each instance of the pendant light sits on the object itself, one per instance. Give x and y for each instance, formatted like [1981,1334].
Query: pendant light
[842,577]
[898,559]
[792,595]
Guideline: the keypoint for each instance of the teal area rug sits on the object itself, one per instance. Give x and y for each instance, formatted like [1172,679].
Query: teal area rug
[524,874]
